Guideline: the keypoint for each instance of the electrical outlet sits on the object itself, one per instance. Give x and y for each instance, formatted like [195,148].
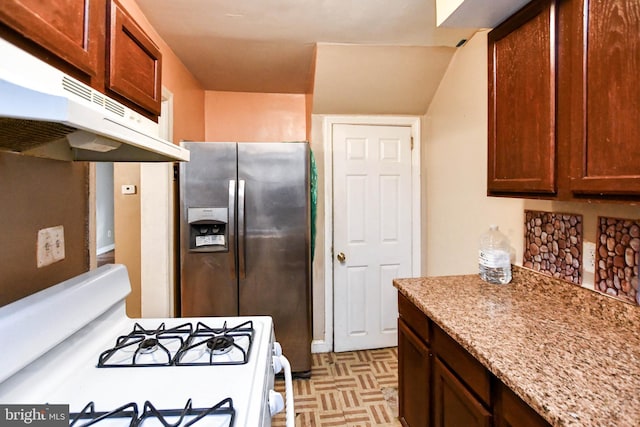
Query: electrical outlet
[50,246]
[589,257]
[128,189]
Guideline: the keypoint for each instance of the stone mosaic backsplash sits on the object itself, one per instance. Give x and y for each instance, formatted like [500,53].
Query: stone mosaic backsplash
[553,244]
[617,248]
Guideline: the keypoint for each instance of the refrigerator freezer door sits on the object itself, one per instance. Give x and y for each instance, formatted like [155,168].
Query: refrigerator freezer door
[276,251]
[208,280]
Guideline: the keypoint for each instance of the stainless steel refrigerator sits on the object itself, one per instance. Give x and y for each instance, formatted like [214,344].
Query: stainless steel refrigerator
[245,237]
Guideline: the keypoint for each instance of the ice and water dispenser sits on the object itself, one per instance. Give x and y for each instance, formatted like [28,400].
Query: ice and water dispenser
[208,231]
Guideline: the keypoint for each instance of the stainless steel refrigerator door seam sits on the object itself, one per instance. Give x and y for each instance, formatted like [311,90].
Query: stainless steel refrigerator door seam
[232,226]
[241,230]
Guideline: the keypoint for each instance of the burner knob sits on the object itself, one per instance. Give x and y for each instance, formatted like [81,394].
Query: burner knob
[277,365]
[277,349]
[276,402]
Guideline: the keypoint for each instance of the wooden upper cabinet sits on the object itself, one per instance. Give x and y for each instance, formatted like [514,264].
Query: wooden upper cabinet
[522,102]
[134,61]
[605,150]
[71,30]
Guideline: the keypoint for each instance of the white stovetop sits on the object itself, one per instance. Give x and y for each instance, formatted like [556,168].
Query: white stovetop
[67,373]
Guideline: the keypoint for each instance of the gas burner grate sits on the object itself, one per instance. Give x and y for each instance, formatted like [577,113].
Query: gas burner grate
[222,414]
[146,347]
[223,411]
[181,346]
[217,346]
[126,414]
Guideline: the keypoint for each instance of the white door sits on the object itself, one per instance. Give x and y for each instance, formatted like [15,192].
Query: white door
[372,232]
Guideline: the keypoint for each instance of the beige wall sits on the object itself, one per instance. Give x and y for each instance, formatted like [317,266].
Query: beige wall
[456,208]
[245,117]
[188,124]
[318,273]
[188,94]
[369,79]
[36,194]
[227,116]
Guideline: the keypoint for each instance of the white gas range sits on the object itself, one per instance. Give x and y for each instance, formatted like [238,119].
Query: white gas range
[73,344]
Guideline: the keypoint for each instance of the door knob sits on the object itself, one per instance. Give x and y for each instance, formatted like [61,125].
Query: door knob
[341,257]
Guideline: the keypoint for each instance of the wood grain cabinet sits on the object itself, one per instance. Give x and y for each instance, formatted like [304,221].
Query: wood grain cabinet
[564,101]
[414,366]
[454,404]
[511,411]
[605,102]
[69,29]
[522,102]
[134,61]
[95,41]
[442,385]
[461,385]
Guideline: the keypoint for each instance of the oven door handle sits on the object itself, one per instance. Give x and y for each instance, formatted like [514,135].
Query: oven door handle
[232,227]
[241,230]
[288,387]
[280,362]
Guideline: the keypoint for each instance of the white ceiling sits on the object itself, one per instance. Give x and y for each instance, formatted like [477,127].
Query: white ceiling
[269,45]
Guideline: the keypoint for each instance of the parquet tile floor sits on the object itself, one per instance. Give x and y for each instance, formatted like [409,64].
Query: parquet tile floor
[354,389]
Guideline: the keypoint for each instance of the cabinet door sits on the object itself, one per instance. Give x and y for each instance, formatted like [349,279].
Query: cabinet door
[135,62]
[71,30]
[413,378]
[454,404]
[605,97]
[522,102]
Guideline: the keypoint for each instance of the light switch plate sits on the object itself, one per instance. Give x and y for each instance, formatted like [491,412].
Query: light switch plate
[50,246]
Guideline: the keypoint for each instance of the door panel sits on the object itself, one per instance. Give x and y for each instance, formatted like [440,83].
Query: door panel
[208,284]
[135,62]
[414,376]
[372,228]
[606,98]
[276,247]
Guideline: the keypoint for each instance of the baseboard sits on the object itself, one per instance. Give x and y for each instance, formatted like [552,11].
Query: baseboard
[321,346]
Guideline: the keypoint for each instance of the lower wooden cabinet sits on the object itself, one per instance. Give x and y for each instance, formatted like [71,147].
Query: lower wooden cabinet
[454,405]
[414,368]
[442,385]
[511,411]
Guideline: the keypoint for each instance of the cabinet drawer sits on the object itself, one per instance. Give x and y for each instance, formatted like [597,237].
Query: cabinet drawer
[464,365]
[416,319]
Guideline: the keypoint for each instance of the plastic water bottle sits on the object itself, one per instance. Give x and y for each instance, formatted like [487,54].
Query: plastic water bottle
[494,257]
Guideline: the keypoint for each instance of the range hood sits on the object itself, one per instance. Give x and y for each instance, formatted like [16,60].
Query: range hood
[46,113]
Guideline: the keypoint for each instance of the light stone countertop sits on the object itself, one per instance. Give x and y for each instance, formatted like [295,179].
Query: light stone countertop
[572,354]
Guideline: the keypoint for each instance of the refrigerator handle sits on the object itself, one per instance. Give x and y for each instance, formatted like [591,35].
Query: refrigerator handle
[241,230]
[232,226]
